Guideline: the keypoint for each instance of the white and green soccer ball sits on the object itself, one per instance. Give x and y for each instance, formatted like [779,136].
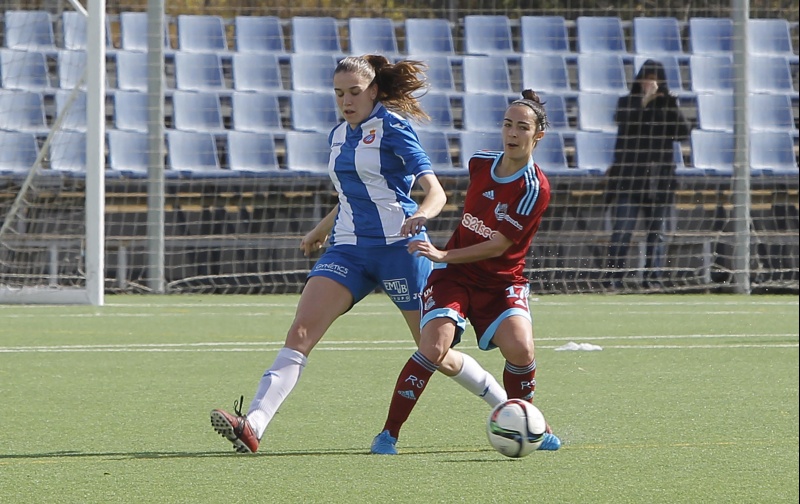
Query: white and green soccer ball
[516,428]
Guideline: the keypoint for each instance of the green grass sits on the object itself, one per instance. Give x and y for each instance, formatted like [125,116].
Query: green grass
[692,399]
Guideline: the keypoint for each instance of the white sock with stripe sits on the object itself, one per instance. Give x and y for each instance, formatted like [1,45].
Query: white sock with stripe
[277,382]
[480,382]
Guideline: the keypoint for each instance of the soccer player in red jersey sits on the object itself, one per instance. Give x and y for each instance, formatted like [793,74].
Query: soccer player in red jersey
[480,271]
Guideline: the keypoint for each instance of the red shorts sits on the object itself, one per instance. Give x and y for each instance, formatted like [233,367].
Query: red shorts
[484,308]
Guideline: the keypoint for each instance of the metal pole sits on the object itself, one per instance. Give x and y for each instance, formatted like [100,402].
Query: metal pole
[740,12]
[155,130]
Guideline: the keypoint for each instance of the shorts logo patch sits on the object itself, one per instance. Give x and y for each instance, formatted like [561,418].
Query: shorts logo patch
[397,289]
[332,268]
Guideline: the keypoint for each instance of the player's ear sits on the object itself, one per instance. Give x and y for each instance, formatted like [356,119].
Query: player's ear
[539,135]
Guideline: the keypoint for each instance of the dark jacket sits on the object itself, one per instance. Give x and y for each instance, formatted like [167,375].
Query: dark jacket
[643,158]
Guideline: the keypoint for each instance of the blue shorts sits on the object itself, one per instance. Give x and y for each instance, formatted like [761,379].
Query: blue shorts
[362,269]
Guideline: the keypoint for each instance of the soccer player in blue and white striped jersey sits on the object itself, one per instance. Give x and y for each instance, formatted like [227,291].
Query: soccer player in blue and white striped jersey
[376,158]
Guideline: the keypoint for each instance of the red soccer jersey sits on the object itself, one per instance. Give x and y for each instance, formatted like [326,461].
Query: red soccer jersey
[512,206]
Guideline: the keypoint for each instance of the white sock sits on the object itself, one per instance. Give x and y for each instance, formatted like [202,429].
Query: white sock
[277,382]
[480,382]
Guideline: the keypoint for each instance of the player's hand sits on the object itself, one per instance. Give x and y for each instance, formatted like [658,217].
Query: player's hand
[426,249]
[414,225]
[312,242]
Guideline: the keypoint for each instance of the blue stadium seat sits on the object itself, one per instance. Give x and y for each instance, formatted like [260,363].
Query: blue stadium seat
[256,113]
[199,72]
[429,36]
[549,154]
[131,68]
[547,73]
[373,36]
[74,118]
[770,74]
[314,112]
[544,35]
[252,153]
[711,74]
[23,111]
[260,72]
[71,65]
[715,112]
[487,74]
[771,112]
[29,30]
[68,152]
[713,151]
[133,32]
[18,152]
[710,35]
[772,152]
[658,36]
[437,145]
[489,36]
[194,154]
[24,70]
[601,34]
[259,34]
[439,108]
[307,152]
[672,67]
[556,108]
[130,111]
[73,26]
[201,33]
[602,73]
[197,112]
[317,35]
[439,74]
[313,72]
[484,111]
[128,153]
[594,150]
[771,37]
[471,142]
[596,112]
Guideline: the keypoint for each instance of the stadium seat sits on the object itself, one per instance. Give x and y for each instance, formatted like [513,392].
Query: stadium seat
[256,113]
[439,75]
[314,112]
[29,30]
[771,112]
[307,152]
[715,112]
[771,37]
[199,72]
[316,35]
[194,154]
[602,73]
[658,36]
[68,152]
[313,72]
[770,74]
[373,36]
[489,36]
[260,72]
[128,153]
[133,32]
[487,74]
[711,74]
[549,154]
[71,65]
[24,70]
[672,67]
[197,112]
[547,73]
[438,107]
[73,26]
[23,111]
[252,153]
[484,111]
[201,33]
[130,111]
[429,36]
[710,35]
[556,108]
[471,142]
[596,112]
[437,145]
[18,152]
[772,152]
[713,151]
[544,35]
[594,150]
[131,68]
[601,34]
[259,34]
[75,118]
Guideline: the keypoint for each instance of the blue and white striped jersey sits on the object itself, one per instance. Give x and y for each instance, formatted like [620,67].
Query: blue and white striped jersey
[373,168]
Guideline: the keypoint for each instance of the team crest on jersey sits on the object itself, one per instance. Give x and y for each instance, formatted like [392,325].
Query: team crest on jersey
[370,138]
[500,211]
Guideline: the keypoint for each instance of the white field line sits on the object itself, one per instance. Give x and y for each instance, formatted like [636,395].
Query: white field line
[354,345]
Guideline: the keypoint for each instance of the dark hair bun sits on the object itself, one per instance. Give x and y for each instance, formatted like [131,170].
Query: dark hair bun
[530,94]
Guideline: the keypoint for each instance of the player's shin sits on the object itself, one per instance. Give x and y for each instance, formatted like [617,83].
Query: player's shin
[520,381]
[480,382]
[410,384]
[277,382]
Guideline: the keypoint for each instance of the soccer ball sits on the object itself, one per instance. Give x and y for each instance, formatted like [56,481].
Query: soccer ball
[516,428]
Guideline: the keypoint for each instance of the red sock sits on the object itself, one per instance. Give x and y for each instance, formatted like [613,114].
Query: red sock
[410,384]
[520,382]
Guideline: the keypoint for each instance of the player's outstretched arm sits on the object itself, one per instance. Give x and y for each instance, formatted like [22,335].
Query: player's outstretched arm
[485,250]
[315,239]
[431,205]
